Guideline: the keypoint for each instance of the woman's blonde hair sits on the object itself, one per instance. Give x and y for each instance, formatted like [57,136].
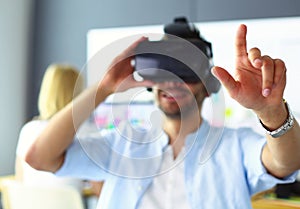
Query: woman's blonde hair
[61,83]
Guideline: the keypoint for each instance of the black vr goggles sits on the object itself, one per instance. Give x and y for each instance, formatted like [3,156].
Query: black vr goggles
[177,57]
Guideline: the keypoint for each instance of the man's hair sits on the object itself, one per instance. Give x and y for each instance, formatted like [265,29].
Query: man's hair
[188,31]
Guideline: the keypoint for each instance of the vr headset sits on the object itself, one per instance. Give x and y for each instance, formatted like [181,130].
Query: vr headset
[182,55]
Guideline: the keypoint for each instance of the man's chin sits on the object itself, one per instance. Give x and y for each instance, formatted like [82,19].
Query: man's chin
[170,114]
[175,116]
[178,115]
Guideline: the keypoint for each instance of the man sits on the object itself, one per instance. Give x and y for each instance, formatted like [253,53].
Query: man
[165,168]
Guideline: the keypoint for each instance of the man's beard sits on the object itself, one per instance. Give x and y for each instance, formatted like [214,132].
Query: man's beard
[181,113]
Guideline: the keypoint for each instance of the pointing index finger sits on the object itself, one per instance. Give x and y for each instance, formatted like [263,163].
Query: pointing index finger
[240,41]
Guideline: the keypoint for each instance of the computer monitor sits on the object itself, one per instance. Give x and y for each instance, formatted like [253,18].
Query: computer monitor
[137,114]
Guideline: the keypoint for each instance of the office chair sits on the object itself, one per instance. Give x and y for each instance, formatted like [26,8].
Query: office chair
[19,196]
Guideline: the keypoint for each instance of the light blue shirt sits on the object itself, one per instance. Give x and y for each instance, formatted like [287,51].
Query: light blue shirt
[222,166]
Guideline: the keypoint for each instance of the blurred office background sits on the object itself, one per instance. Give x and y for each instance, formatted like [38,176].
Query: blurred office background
[36,33]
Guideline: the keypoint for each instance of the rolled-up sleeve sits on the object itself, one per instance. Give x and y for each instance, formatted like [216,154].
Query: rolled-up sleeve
[258,177]
[78,162]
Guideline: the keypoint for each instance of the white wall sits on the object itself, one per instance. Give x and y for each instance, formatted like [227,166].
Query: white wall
[60,26]
[15,27]
[277,37]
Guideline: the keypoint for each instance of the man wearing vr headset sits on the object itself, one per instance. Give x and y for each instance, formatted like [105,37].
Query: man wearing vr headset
[190,164]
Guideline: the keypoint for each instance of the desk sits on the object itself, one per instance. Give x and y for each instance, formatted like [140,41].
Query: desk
[87,192]
[267,200]
[266,203]
[261,201]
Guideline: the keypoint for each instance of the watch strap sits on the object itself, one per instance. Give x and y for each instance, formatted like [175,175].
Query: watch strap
[287,125]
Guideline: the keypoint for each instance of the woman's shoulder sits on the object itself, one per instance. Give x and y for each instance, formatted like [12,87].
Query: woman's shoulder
[35,123]
[30,131]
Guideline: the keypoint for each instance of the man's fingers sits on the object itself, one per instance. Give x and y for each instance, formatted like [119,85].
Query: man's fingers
[240,41]
[273,75]
[267,70]
[280,71]
[126,55]
[254,55]
[131,48]
[226,79]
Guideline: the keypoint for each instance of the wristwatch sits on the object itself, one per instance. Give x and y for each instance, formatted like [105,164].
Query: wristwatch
[287,125]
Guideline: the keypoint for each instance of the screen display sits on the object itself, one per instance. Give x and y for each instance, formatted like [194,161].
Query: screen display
[108,115]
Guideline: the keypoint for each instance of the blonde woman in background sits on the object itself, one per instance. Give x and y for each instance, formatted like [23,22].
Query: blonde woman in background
[61,83]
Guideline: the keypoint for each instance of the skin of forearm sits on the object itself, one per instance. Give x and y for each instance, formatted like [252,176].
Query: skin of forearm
[47,153]
[281,155]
